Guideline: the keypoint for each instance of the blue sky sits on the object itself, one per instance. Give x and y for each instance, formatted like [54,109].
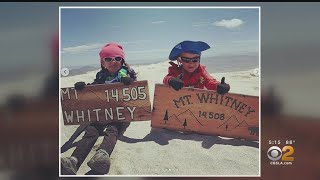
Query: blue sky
[148,35]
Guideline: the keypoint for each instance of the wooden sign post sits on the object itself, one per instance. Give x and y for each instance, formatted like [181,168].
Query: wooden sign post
[206,112]
[106,103]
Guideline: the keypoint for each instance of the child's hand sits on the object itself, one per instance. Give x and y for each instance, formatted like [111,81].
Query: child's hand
[223,88]
[79,85]
[126,80]
[176,83]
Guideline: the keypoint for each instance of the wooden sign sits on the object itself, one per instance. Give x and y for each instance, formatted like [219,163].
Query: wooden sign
[206,112]
[29,134]
[106,103]
[35,119]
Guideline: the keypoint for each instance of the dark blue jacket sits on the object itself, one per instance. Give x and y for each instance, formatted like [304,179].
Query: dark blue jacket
[102,75]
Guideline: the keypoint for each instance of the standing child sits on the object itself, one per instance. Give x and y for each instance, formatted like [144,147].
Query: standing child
[189,72]
[113,69]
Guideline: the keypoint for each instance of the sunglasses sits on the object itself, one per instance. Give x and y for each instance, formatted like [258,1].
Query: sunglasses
[109,59]
[188,60]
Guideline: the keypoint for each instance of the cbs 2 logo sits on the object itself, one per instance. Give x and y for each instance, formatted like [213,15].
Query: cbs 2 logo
[275,153]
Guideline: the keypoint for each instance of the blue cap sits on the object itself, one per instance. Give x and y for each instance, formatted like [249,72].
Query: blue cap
[194,47]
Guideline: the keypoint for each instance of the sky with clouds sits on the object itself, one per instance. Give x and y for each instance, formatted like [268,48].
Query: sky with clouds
[148,35]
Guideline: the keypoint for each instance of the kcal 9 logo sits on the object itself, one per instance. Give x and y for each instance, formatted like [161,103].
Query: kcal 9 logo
[275,153]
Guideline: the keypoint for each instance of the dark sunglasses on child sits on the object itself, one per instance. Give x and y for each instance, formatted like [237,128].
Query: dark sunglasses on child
[188,60]
[109,59]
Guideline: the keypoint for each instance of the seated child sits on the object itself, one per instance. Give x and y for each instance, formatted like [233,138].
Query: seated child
[189,72]
[113,69]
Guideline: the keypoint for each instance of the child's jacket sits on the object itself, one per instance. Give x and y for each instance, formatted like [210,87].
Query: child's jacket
[198,79]
[102,77]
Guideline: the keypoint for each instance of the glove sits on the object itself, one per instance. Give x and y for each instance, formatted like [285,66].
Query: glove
[223,88]
[79,85]
[176,83]
[126,80]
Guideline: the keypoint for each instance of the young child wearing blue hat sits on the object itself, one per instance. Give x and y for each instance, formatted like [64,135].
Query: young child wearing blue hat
[189,72]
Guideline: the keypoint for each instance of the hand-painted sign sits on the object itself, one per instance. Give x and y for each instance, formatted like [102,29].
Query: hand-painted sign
[106,103]
[206,112]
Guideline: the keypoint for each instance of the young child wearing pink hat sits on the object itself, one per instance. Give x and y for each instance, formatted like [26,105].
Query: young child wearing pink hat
[113,69]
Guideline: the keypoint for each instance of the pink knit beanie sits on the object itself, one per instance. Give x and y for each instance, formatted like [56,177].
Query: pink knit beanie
[111,50]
